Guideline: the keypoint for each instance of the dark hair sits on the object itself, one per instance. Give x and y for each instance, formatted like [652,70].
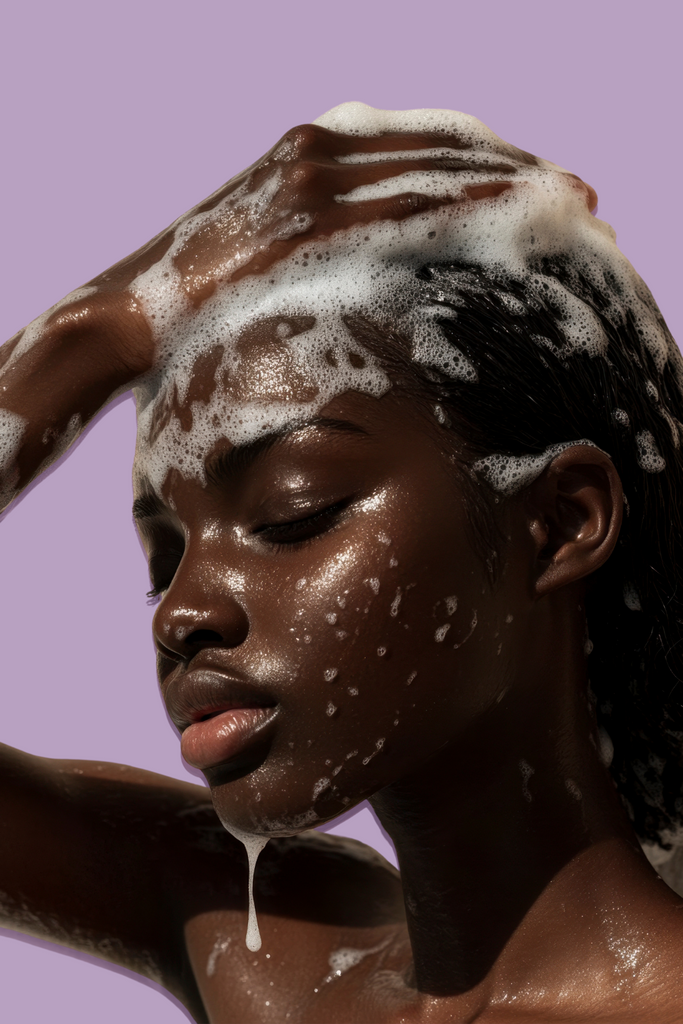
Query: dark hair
[534,389]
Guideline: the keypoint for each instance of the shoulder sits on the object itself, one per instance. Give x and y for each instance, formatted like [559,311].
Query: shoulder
[337,850]
[312,876]
[314,894]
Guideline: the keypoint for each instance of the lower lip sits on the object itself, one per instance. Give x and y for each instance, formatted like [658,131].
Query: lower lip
[223,737]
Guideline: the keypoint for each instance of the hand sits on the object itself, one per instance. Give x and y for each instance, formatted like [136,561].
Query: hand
[58,373]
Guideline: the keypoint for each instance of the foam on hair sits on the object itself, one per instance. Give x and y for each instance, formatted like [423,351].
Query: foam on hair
[502,211]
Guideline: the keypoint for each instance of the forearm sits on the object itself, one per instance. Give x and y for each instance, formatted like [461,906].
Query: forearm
[59,372]
[85,848]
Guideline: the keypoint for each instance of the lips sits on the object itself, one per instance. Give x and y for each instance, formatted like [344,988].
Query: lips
[221,718]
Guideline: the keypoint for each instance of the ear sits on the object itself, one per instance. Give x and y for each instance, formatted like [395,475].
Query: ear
[574,511]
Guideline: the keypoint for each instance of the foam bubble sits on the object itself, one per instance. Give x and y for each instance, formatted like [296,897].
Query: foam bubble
[508,474]
[649,456]
[606,747]
[631,598]
[652,392]
[253,844]
[490,206]
[12,430]
[393,610]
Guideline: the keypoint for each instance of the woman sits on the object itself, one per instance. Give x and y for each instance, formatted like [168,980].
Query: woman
[390,382]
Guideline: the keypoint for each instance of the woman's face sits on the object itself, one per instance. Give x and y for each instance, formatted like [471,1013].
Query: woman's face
[324,615]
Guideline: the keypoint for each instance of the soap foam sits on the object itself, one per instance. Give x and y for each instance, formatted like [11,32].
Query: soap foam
[253,844]
[649,457]
[495,208]
[342,960]
[510,473]
[12,430]
[486,210]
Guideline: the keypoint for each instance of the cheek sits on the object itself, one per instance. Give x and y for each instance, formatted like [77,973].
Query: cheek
[379,634]
[379,650]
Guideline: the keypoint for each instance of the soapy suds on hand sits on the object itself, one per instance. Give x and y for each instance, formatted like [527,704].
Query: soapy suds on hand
[492,208]
[501,210]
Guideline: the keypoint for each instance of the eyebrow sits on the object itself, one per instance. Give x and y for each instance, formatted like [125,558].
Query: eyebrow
[225,465]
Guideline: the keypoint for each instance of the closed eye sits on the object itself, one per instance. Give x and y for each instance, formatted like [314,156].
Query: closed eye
[162,568]
[299,531]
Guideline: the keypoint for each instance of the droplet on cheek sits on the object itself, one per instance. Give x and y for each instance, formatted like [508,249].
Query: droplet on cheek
[330,674]
[441,632]
[331,618]
[318,788]
[410,678]
[573,789]
[378,746]
[330,710]
[381,651]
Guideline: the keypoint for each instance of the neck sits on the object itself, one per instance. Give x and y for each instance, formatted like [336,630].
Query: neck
[494,821]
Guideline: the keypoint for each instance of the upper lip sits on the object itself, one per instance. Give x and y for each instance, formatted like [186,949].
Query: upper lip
[201,692]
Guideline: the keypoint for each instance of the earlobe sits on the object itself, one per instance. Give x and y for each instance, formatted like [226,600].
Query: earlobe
[574,512]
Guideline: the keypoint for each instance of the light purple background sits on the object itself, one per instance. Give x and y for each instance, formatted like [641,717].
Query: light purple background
[116,118]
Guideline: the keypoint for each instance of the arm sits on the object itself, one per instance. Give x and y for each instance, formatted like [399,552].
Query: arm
[97,857]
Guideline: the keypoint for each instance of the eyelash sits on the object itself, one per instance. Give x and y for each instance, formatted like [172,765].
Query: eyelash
[318,519]
[317,523]
[157,591]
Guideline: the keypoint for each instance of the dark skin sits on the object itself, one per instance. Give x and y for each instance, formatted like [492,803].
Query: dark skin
[523,894]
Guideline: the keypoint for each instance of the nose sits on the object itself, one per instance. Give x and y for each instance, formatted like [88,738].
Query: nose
[200,609]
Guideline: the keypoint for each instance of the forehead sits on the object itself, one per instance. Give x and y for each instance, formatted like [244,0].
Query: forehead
[353,431]
[276,372]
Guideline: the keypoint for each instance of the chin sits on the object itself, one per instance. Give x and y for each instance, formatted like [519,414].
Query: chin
[245,814]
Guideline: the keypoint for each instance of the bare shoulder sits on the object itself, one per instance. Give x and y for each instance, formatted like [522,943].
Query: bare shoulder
[311,877]
[339,852]
[325,904]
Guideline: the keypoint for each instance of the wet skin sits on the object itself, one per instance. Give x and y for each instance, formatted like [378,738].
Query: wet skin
[523,893]
[366,507]
[333,573]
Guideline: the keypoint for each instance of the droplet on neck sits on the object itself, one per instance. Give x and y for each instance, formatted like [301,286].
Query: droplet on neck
[253,845]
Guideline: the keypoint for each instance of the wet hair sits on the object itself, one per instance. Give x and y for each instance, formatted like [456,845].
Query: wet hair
[535,390]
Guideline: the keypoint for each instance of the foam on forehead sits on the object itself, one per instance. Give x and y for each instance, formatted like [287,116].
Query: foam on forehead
[502,213]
